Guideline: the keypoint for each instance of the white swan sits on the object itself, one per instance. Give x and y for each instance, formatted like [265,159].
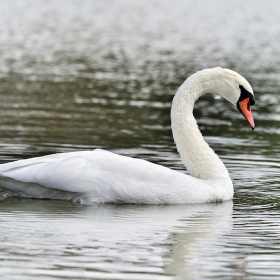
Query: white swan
[101,176]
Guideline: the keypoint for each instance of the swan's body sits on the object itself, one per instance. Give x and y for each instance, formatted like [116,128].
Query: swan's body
[101,176]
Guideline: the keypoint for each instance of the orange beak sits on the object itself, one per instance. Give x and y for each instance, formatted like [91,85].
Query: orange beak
[246,110]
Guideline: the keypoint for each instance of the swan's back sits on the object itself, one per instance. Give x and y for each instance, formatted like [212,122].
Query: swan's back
[100,176]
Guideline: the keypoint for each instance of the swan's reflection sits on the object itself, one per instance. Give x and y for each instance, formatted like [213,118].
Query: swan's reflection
[163,241]
[196,241]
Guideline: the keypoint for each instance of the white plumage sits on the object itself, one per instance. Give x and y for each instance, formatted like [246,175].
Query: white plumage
[102,176]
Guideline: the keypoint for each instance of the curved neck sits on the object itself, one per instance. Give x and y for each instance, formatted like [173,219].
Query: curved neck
[198,157]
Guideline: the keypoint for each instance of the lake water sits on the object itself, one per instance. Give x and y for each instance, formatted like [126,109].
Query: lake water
[78,75]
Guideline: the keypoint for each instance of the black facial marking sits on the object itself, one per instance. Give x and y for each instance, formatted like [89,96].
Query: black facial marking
[245,94]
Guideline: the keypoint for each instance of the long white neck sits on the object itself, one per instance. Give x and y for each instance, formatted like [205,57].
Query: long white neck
[199,158]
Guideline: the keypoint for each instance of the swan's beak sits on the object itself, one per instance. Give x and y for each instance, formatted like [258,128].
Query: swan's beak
[245,109]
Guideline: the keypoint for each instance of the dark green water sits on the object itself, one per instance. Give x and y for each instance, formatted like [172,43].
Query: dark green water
[79,75]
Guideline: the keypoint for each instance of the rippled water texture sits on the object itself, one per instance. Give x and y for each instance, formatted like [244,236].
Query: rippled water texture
[78,75]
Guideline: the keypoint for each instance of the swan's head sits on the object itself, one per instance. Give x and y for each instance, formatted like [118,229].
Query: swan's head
[239,93]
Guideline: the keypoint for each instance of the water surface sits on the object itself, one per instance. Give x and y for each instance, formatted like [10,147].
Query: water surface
[102,74]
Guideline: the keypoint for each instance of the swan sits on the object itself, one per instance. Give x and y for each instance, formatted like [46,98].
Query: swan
[101,176]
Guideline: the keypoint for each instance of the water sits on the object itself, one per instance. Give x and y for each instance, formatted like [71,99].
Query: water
[102,74]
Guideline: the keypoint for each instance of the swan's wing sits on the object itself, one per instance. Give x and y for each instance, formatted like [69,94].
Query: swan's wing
[98,176]
[59,171]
